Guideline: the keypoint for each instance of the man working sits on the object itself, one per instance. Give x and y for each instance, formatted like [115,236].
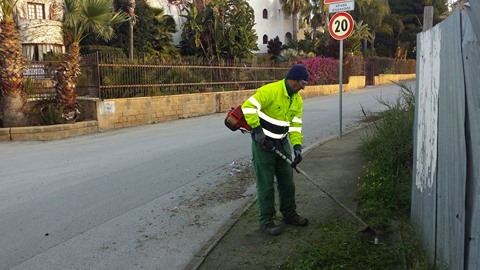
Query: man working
[274,112]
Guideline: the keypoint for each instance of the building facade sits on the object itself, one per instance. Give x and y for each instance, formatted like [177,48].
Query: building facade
[40,28]
[270,20]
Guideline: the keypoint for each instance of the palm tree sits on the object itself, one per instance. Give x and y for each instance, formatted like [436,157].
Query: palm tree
[81,18]
[360,32]
[292,8]
[224,30]
[132,21]
[374,13]
[314,14]
[14,107]
[162,44]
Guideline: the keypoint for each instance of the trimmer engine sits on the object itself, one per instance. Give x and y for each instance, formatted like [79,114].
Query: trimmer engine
[236,120]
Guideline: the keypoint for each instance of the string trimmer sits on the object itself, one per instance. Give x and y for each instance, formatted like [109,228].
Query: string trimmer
[235,120]
[364,226]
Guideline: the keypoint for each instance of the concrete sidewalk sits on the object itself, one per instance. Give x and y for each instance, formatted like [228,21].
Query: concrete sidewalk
[337,166]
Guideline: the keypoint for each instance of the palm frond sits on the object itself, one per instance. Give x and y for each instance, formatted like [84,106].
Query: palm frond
[7,7]
[91,16]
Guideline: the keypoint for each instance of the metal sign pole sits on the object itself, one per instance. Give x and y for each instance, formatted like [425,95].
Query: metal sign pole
[340,27]
[340,82]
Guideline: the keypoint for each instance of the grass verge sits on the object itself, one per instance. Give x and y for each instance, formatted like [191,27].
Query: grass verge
[384,203]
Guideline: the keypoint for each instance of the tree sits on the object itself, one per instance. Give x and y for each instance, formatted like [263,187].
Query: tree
[388,44]
[223,30]
[153,31]
[411,15]
[314,15]
[293,8]
[373,13]
[162,42]
[81,19]
[360,32]
[14,107]
[274,48]
[131,23]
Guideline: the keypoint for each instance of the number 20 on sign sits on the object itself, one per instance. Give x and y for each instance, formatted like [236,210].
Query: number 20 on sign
[341,25]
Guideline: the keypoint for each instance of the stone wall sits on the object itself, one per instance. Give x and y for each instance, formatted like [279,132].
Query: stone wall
[128,112]
[46,133]
[389,78]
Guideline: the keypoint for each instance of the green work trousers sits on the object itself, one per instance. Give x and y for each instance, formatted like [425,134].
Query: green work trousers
[267,166]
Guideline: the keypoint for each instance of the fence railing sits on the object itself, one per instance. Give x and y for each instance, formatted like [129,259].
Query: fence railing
[111,76]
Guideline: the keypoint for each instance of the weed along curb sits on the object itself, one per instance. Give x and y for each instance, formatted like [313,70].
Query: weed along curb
[50,132]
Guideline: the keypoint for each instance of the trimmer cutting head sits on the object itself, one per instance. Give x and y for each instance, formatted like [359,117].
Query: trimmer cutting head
[368,230]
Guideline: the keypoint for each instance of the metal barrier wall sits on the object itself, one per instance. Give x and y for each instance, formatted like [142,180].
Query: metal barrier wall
[446,172]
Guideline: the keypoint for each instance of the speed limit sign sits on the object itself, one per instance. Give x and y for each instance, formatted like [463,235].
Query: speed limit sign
[341,25]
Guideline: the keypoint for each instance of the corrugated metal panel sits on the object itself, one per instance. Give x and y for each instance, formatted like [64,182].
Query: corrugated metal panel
[425,137]
[474,16]
[471,59]
[446,187]
[451,162]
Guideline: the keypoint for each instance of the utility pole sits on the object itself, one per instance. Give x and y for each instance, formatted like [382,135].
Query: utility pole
[427,17]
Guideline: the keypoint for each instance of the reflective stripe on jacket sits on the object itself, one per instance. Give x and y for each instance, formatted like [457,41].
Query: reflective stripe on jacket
[277,113]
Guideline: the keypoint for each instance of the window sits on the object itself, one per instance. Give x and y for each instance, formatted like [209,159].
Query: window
[265,39]
[36,11]
[37,52]
[265,14]
[288,37]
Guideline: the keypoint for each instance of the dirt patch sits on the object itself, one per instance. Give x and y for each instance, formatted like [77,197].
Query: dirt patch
[228,189]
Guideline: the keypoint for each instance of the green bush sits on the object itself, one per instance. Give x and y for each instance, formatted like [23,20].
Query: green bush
[47,109]
[89,49]
[386,190]
[384,204]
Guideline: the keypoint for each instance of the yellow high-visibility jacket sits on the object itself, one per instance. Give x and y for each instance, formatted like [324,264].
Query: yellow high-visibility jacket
[276,112]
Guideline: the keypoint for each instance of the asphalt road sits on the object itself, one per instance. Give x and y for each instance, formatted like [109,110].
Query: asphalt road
[146,197]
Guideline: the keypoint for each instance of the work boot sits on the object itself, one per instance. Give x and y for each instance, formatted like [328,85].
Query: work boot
[271,229]
[296,220]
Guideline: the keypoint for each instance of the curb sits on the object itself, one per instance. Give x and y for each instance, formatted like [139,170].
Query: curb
[198,259]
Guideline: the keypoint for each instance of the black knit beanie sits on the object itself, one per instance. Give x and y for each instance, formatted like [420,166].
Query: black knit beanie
[297,72]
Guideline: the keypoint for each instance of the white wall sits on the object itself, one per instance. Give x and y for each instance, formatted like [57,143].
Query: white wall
[277,23]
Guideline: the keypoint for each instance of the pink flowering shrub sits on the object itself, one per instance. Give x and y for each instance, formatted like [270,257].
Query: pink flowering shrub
[323,70]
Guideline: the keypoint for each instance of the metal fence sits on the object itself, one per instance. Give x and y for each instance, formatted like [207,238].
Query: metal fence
[112,76]
[39,75]
[107,76]
[446,169]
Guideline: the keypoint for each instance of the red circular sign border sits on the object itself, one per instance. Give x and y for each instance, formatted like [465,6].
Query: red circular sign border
[349,18]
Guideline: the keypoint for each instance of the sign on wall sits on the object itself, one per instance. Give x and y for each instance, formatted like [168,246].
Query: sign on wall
[107,107]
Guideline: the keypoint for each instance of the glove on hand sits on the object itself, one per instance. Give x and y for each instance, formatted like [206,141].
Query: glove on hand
[297,150]
[258,136]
